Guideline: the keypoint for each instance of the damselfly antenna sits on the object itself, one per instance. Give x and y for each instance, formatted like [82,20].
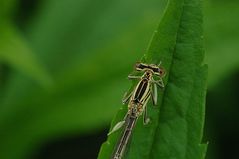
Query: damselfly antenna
[160,62]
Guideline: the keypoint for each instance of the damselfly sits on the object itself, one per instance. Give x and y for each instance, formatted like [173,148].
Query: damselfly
[137,101]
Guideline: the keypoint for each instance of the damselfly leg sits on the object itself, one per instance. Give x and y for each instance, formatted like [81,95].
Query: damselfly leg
[132,77]
[154,94]
[159,83]
[146,119]
[126,97]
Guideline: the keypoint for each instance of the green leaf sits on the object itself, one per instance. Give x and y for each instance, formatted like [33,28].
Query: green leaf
[15,53]
[7,8]
[177,124]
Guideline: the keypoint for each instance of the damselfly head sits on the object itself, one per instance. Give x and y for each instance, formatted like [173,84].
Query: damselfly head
[155,69]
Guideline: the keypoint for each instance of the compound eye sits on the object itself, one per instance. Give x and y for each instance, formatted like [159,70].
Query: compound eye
[161,72]
[156,70]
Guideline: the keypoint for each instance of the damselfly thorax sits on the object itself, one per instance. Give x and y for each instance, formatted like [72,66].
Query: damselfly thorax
[141,94]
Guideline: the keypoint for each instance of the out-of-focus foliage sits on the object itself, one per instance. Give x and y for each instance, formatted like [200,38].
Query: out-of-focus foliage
[222,37]
[16,53]
[63,64]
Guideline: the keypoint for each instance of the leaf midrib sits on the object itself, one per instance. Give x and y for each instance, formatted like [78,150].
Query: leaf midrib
[163,94]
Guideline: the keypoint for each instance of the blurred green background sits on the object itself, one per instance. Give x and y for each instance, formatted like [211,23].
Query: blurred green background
[63,69]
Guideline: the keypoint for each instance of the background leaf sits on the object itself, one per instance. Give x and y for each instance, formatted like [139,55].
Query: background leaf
[221,36]
[7,8]
[15,53]
[176,131]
